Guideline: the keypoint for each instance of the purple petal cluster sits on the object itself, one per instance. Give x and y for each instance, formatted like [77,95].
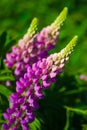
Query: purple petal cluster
[29,89]
[30,51]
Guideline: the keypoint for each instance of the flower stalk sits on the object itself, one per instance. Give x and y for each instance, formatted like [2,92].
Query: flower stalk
[34,70]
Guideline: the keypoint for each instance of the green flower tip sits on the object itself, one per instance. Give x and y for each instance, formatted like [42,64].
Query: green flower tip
[33,27]
[71,44]
[60,19]
[69,48]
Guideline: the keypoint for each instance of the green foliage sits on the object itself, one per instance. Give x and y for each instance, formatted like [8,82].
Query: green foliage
[5,91]
[65,104]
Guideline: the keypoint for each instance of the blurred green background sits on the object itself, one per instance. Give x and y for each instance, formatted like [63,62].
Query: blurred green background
[16,15]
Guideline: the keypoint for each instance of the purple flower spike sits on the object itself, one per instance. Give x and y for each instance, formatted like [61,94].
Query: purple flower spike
[24,102]
[32,47]
[34,71]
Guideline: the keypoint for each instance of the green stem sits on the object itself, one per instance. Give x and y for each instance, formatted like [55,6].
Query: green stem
[67,119]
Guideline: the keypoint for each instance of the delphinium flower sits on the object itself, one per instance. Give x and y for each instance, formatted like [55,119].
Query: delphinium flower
[29,88]
[34,47]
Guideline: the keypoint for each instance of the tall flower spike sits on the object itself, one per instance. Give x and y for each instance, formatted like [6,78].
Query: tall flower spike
[33,48]
[29,88]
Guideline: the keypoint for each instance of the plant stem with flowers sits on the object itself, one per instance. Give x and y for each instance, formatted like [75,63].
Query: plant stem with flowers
[34,70]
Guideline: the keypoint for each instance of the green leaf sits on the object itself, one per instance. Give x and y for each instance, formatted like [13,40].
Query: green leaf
[2,40]
[8,46]
[35,125]
[84,126]
[77,110]
[67,120]
[5,91]
[5,71]
[4,78]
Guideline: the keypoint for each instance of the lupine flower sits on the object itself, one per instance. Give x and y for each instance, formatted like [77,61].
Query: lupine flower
[83,77]
[29,88]
[32,47]
[14,58]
